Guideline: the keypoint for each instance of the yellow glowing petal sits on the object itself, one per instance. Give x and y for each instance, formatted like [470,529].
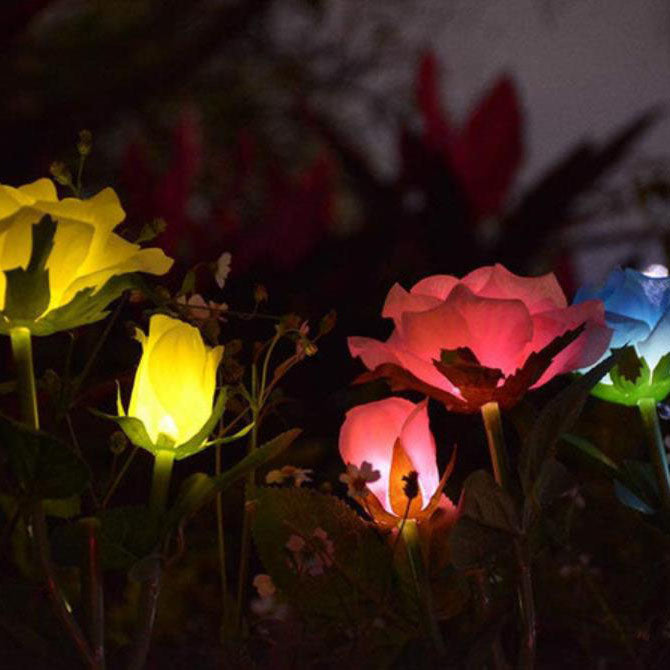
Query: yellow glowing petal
[17,240]
[143,402]
[3,287]
[12,199]
[176,368]
[71,244]
[152,261]
[42,189]
[103,209]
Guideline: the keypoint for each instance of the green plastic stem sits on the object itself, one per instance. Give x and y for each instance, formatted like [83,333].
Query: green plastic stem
[22,353]
[160,484]
[410,535]
[652,429]
[496,441]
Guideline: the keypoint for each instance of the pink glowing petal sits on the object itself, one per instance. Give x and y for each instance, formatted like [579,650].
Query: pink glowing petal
[368,434]
[537,293]
[423,369]
[477,279]
[419,444]
[497,330]
[425,334]
[372,352]
[398,301]
[586,350]
[437,286]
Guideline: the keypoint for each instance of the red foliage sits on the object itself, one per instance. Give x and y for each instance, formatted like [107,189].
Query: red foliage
[484,155]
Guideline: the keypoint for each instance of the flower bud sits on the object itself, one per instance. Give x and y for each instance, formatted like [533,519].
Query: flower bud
[175,381]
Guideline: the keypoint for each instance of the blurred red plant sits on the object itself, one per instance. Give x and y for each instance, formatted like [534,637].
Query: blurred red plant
[485,153]
[263,213]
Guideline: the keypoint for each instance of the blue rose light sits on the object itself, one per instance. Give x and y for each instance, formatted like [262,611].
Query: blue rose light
[637,309]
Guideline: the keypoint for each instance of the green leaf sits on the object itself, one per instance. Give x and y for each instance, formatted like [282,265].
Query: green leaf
[198,441]
[485,502]
[199,489]
[630,499]
[27,294]
[87,306]
[662,370]
[126,535]
[487,523]
[354,581]
[556,418]
[581,447]
[132,427]
[136,431]
[42,466]
[472,545]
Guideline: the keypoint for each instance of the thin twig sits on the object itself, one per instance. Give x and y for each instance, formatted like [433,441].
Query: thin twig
[119,477]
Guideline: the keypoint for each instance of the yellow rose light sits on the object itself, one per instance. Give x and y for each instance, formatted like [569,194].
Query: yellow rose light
[61,263]
[171,402]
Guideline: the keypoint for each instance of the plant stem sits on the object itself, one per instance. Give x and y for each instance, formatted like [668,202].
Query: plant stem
[245,541]
[160,484]
[113,486]
[148,606]
[652,429]
[496,441]
[151,586]
[94,593]
[220,538]
[36,522]
[526,607]
[410,536]
[22,351]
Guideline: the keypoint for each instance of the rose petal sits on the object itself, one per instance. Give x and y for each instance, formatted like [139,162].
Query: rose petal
[436,286]
[399,301]
[657,344]
[495,330]
[419,444]
[537,293]
[585,351]
[368,434]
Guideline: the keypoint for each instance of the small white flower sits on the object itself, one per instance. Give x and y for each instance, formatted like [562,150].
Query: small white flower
[298,475]
[357,479]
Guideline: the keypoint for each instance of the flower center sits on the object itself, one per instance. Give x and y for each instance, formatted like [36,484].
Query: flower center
[168,426]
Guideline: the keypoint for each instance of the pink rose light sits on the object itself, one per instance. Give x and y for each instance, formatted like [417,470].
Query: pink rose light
[489,336]
[393,437]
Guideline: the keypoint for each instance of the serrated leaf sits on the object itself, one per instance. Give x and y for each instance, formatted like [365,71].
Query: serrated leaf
[488,521]
[629,368]
[359,576]
[42,466]
[485,502]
